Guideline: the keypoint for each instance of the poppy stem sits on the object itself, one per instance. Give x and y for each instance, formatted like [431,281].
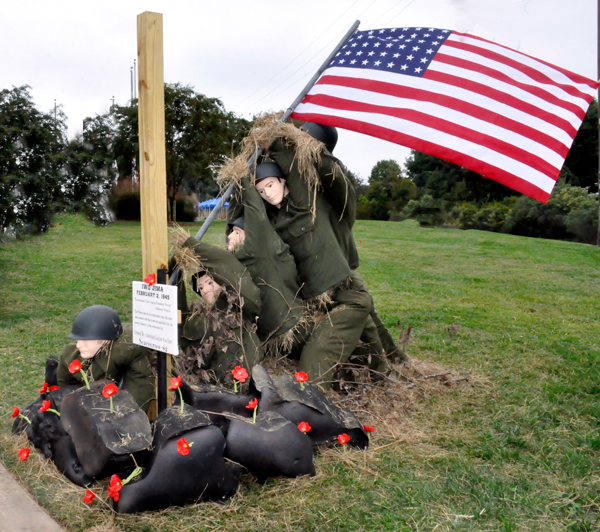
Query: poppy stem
[254,414]
[180,398]
[53,411]
[85,378]
[135,473]
[25,418]
[235,386]
[302,386]
[111,407]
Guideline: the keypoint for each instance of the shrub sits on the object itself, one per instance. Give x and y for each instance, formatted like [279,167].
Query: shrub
[583,221]
[426,210]
[126,205]
[489,217]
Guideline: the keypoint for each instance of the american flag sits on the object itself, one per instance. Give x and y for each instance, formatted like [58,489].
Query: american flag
[501,113]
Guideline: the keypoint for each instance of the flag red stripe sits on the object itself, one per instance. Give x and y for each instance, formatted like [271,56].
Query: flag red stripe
[485,169]
[576,78]
[534,74]
[450,102]
[456,130]
[502,97]
[531,89]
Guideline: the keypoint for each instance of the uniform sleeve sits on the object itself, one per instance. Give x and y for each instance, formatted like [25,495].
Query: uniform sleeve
[337,187]
[64,376]
[138,380]
[257,227]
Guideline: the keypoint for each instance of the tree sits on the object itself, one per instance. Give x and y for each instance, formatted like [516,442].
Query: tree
[388,191]
[32,161]
[581,165]
[199,133]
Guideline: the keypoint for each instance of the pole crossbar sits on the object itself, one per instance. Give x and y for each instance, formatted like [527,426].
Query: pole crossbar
[227,194]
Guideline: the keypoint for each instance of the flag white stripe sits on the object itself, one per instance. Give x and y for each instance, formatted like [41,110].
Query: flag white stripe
[440,112]
[522,95]
[460,93]
[440,138]
[555,75]
[513,73]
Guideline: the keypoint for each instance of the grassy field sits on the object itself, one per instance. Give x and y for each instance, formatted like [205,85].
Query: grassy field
[517,447]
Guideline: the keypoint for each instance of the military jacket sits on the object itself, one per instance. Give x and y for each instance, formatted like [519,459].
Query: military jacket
[271,266]
[320,259]
[122,360]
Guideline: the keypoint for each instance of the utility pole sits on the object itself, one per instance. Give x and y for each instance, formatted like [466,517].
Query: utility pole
[55,109]
[113,102]
[135,75]
[131,76]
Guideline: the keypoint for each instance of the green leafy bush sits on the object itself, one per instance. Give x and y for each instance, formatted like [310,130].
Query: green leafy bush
[583,221]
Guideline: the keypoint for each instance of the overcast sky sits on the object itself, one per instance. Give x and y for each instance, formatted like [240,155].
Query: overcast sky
[256,55]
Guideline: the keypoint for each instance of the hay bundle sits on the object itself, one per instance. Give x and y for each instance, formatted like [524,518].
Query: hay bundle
[267,128]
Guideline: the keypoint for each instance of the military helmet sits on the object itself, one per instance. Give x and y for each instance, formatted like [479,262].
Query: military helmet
[269,169]
[97,322]
[328,135]
[238,222]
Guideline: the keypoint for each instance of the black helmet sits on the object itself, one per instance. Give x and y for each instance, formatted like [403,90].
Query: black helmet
[238,222]
[195,277]
[328,135]
[269,169]
[97,322]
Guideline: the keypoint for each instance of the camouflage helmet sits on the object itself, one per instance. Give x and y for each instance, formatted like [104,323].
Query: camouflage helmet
[97,322]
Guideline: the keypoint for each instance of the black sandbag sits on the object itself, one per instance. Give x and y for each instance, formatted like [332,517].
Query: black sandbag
[105,440]
[270,447]
[47,434]
[51,375]
[283,394]
[173,479]
[213,401]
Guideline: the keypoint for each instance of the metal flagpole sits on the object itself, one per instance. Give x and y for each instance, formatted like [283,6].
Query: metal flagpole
[209,220]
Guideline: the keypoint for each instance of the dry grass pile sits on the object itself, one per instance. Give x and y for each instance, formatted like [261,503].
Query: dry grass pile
[267,128]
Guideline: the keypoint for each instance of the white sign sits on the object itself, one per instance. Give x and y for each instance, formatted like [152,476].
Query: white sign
[155,317]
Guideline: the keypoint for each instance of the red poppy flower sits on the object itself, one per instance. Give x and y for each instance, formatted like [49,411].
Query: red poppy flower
[75,366]
[343,439]
[367,428]
[150,279]
[52,388]
[115,482]
[24,454]
[301,376]
[109,390]
[89,496]
[252,404]
[239,374]
[45,406]
[44,388]
[303,426]
[175,382]
[183,447]
[114,493]
[16,412]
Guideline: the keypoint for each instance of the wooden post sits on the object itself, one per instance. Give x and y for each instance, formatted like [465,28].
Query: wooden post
[152,160]
[153,170]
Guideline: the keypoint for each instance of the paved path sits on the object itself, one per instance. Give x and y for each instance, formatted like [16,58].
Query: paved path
[18,511]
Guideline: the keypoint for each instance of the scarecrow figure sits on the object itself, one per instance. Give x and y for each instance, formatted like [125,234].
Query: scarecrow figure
[256,244]
[343,198]
[219,330]
[103,352]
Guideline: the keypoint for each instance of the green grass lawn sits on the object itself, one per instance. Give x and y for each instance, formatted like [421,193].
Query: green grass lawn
[516,448]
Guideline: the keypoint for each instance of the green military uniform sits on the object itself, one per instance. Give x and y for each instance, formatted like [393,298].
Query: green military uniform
[223,336]
[341,195]
[322,267]
[270,264]
[119,359]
